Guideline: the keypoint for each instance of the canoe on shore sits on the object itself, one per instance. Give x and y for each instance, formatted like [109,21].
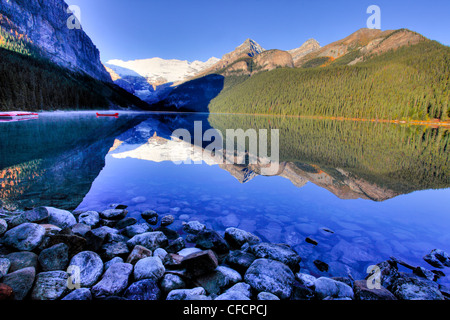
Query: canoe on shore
[107,114]
[11,114]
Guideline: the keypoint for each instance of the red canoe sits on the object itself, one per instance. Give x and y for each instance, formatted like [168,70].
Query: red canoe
[107,114]
[11,114]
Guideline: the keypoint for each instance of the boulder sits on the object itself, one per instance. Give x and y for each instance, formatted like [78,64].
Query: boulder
[21,282]
[172,282]
[90,267]
[149,240]
[79,294]
[5,264]
[114,281]
[138,253]
[221,278]
[113,214]
[362,292]
[60,218]
[188,294]
[270,276]
[326,287]
[149,268]
[25,237]
[199,263]
[90,218]
[50,285]
[193,227]
[146,289]
[237,237]
[20,260]
[54,258]
[278,252]
[412,287]
[210,239]
[136,229]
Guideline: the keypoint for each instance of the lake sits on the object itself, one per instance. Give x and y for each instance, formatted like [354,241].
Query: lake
[382,189]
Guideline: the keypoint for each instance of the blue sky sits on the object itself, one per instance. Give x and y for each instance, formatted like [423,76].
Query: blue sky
[199,29]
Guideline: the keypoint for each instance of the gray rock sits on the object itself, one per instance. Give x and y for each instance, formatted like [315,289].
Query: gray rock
[50,285]
[176,245]
[25,237]
[221,278]
[326,287]
[146,289]
[90,218]
[125,222]
[167,220]
[278,252]
[104,232]
[188,294]
[4,266]
[55,257]
[114,249]
[3,226]
[172,282]
[243,288]
[111,262]
[113,214]
[362,292]
[20,260]
[114,281]
[150,217]
[438,258]
[412,287]
[193,227]
[37,216]
[160,253]
[90,267]
[136,229]
[210,239]
[232,295]
[424,273]
[150,240]
[306,279]
[237,237]
[240,260]
[267,296]
[79,294]
[21,281]
[60,218]
[149,268]
[187,251]
[270,276]
[80,229]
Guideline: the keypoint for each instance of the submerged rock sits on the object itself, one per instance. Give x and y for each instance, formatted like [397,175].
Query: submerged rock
[193,227]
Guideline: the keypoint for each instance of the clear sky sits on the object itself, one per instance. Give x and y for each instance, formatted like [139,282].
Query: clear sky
[199,29]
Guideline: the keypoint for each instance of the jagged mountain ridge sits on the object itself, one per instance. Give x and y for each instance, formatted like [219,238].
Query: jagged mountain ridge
[44,23]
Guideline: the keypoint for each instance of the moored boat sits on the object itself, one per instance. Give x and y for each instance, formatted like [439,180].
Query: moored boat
[107,115]
[12,114]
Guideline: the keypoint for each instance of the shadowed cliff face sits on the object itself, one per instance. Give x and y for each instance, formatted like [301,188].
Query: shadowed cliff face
[45,24]
[54,160]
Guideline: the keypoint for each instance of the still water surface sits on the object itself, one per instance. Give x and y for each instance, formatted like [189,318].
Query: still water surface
[382,188]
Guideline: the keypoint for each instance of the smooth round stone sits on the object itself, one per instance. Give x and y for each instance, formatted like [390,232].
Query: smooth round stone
[55,257]
[90,267]
[20,260]
[172,282]
[146,289]
[90,218]
[25,237]
[149,268]
[60,218]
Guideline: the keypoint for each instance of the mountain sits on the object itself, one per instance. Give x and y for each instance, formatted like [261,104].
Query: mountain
[44,23]
[309,46]
[371,74]
[52,66]
[152,79]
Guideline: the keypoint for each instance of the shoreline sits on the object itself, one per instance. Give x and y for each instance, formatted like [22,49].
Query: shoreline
[118,258]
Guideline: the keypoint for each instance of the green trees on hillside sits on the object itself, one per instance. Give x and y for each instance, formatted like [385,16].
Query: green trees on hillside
[409,83]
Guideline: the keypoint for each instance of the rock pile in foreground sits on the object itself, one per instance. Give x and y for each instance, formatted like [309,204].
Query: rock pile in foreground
[52,254]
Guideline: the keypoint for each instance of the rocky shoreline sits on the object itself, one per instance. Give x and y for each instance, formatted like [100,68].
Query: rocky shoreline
[52,254]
